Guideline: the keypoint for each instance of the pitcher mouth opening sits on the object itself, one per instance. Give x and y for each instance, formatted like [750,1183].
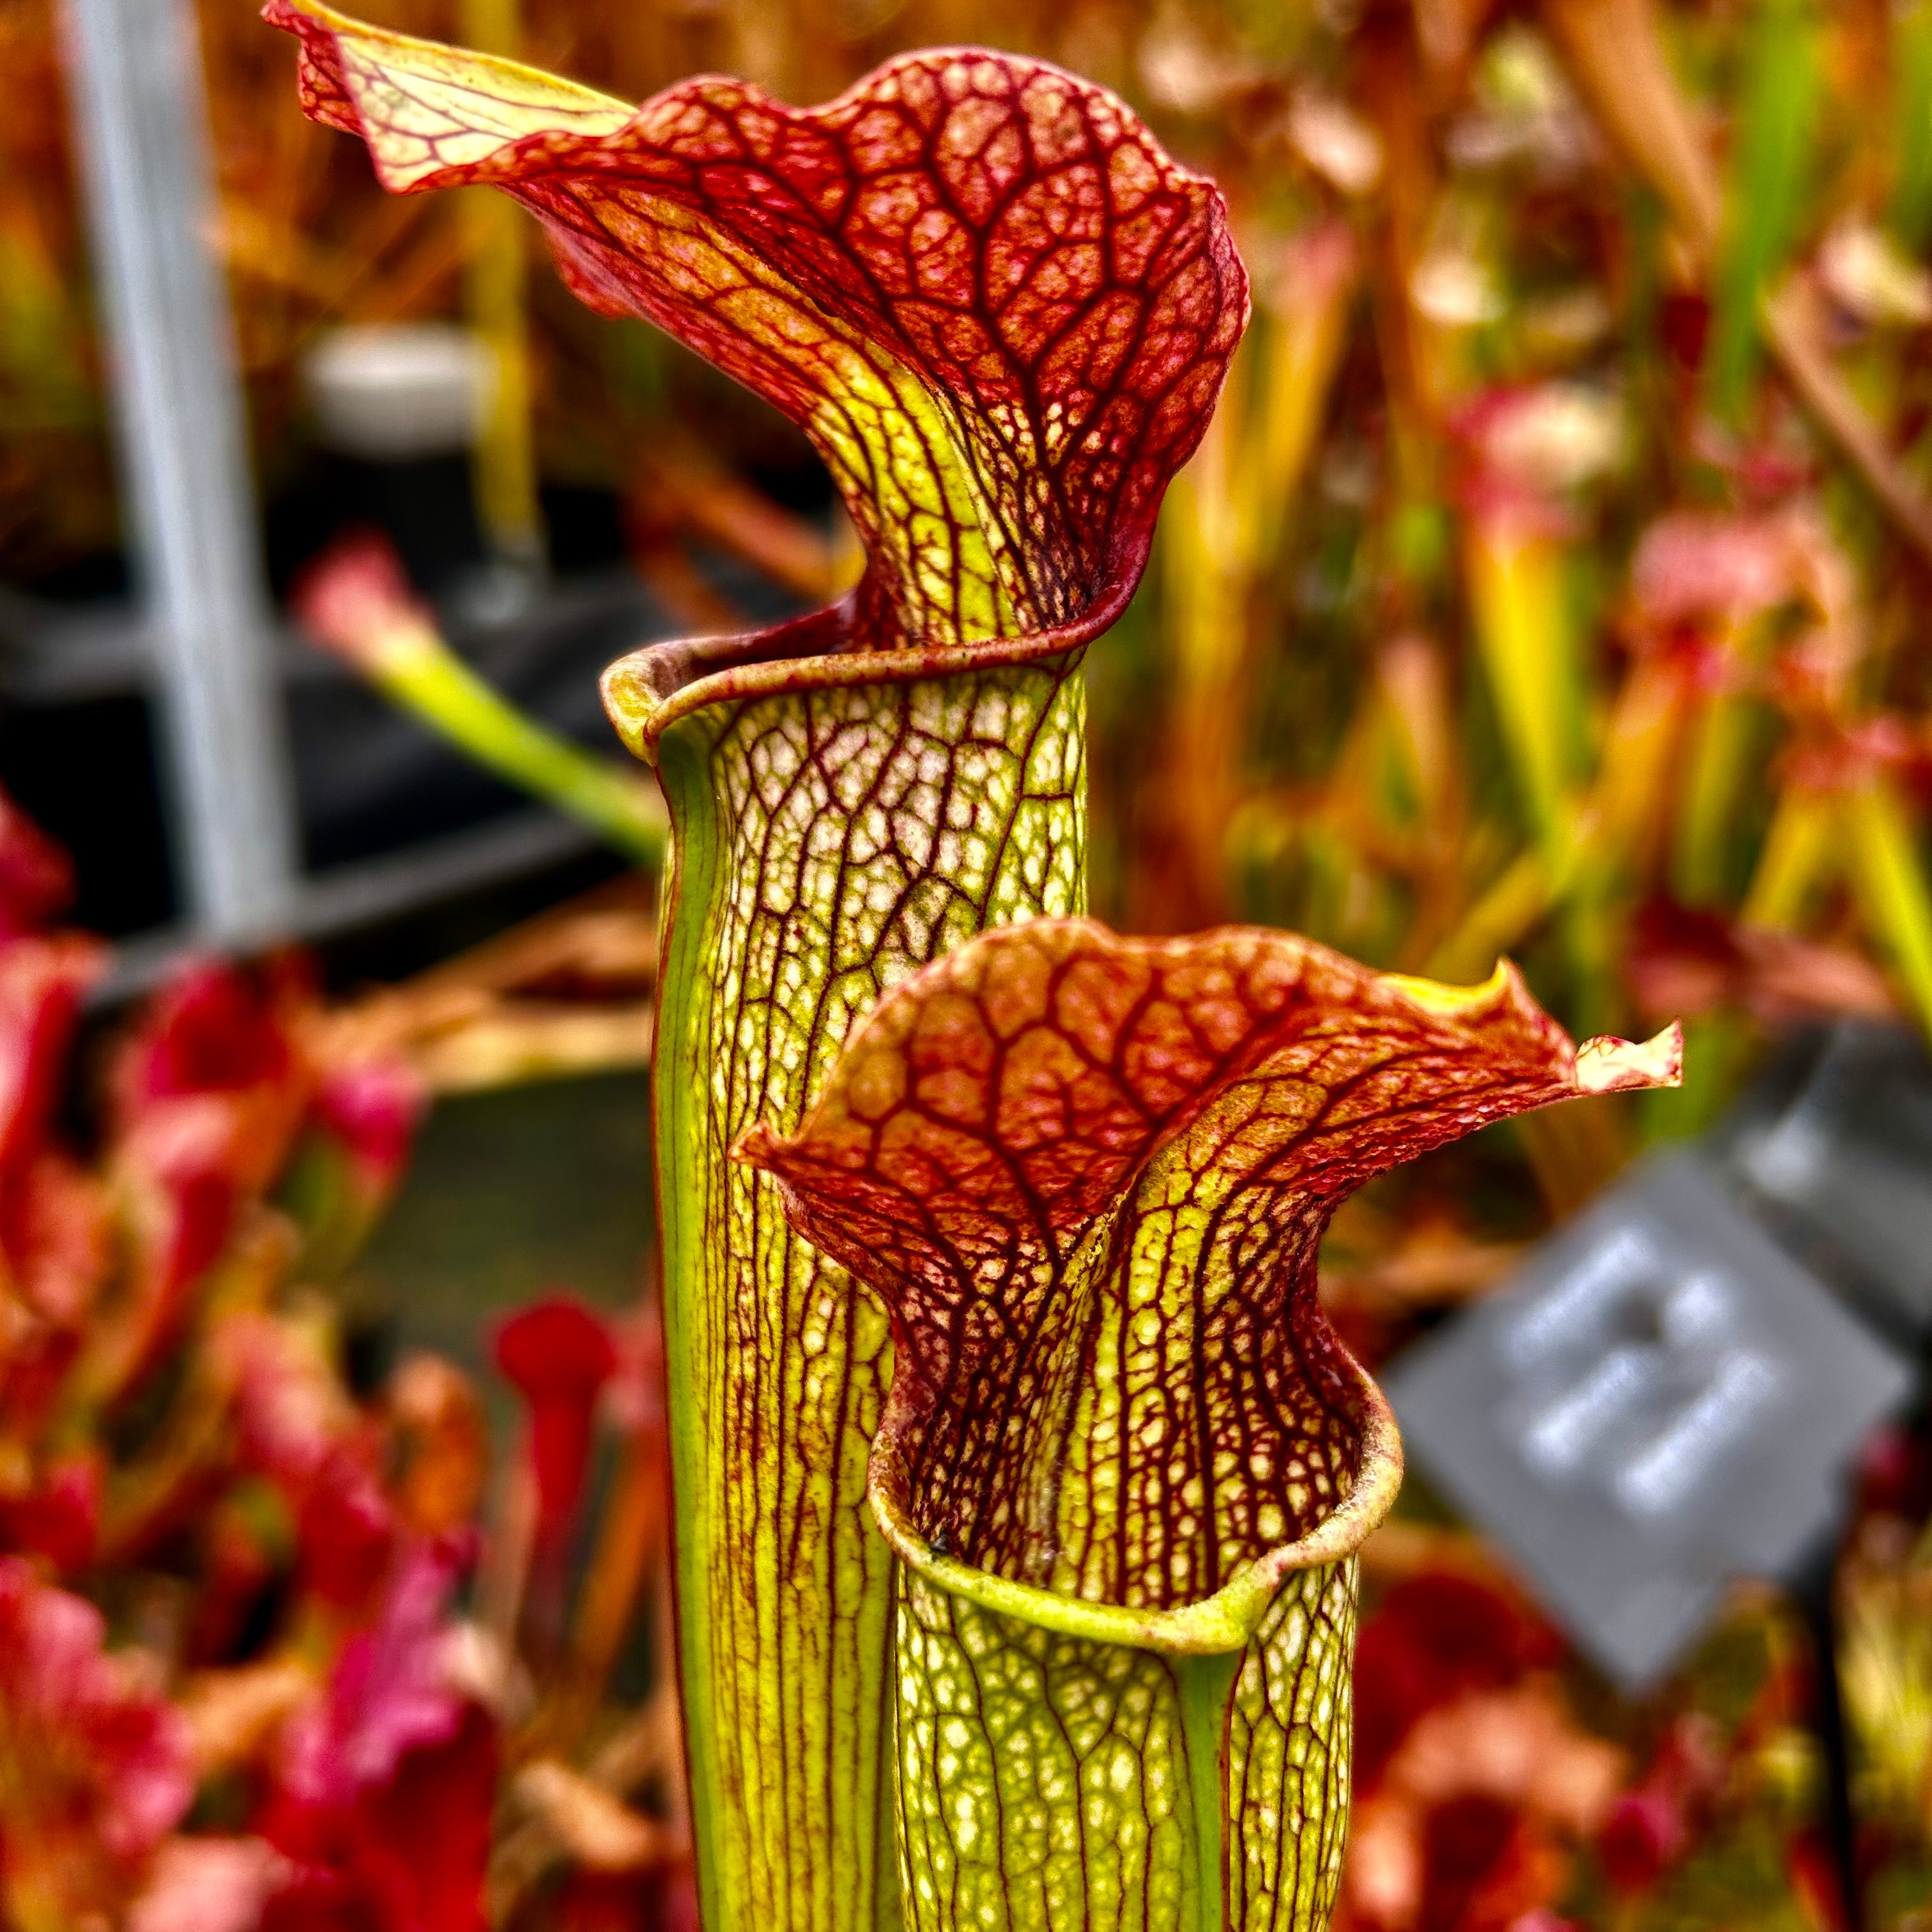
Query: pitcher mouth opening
[1224,1621]
[650,689]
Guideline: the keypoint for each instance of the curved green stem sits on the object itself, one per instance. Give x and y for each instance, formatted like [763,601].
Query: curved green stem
[426,678]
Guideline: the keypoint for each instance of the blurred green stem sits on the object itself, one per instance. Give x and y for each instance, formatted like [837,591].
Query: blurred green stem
[1912,123]
[1227,517]
[1771,167]
[495,277]
[1518,594]
[422,674]
[1890,879]
[1515,577]
[1718,764]
[1794,861]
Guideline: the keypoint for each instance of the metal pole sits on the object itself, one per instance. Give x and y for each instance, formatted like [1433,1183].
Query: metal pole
[140,110]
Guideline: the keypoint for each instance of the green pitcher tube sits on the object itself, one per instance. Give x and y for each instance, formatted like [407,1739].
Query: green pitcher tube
[826,842]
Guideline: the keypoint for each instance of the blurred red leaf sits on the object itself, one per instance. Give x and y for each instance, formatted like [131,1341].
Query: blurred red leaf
[1684,960]
[1655,1823]
[212,1035]
[371,1109]
[58,1518]
[558,1355]
[1709,565]
[42,982]
[295,1425]
[95,1766]
[1433,1639]
[387,1780]
[36,876]
[207,1885]
[346,1531]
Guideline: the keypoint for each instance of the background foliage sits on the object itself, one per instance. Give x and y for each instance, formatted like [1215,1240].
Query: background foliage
[1551,582]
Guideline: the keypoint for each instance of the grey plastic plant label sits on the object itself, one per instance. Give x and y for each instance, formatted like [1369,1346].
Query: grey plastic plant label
[1663,1400]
